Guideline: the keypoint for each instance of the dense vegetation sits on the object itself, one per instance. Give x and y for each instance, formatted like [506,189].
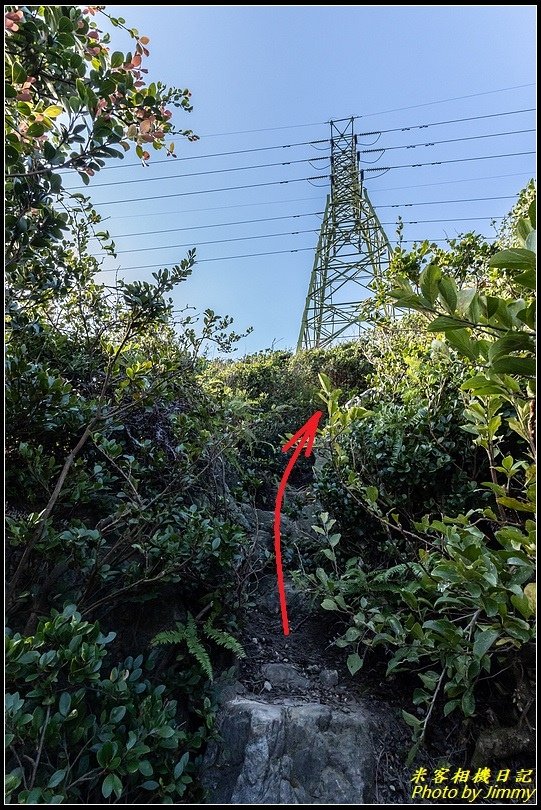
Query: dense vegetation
[127,451]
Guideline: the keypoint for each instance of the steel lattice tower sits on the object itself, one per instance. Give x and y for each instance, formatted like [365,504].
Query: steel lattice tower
[352,249]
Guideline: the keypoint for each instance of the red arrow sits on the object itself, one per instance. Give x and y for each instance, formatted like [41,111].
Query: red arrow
[305,437]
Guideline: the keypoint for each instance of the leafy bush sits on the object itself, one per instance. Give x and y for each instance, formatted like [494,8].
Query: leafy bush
[452,616]
[283,391]
[461,603]
[113,445]
[75,736]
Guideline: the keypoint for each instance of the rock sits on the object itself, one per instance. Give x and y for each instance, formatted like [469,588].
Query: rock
[224,692]
[276,754]
[284,675]
[328,678]
[296,600]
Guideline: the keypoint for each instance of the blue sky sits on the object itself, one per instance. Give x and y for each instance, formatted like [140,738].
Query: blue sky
[284,71]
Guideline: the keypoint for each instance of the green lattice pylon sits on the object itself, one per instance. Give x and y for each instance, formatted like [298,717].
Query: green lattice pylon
[352,249]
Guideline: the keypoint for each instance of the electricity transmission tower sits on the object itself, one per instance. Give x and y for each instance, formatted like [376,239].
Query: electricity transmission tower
[352,249]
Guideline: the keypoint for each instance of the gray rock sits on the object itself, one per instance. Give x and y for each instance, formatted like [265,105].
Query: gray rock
[328,678]
[284,675]
[226,691]
[276,754]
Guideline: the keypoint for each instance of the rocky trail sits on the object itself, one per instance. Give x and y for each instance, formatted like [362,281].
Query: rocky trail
[295,727]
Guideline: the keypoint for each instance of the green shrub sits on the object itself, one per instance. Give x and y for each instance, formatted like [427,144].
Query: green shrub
[458,608]
[283,391]
[78,735]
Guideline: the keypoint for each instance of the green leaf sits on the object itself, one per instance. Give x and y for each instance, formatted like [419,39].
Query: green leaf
[111,783]
[180,766]
[146,768]
[523,229]
[117,59]
[450,706]
[468,704]
[372,493]
[65,24]
[106,753]
[352,634]
[12,782]
[36,129]
[444,323]
[508,364]
[165,732]
[117,714]
[522,604]
[532,213]
[329,604]
[514,259]
[410,300]
[428,282]
[482,385]
[513,342]
[64,704]
[409,599]
[448,293]
[530,594]
[18,73]
[56,778]
[460,340]
[527,279]
[484,639]
[518,506]
[325,383]
[410,719]
[354,663]
[107,786]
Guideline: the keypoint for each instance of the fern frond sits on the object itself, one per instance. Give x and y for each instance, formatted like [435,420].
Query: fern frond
[397,571]
[224,639]
[170,636]
[196,648]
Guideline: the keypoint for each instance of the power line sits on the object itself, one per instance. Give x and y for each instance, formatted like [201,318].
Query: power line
[437,143]
[313,143]
[219,225]
[446,202]
[214,190]
[370,115]
[444,101]
[432,124]
[220,259]
[214,208]
[224,154]
[253,255]
[301,199]
[213,242]
[448,182]
[292,162]
[286,233]
[459,219]
[441,162]
[297,216]
[200,174]
[317,177]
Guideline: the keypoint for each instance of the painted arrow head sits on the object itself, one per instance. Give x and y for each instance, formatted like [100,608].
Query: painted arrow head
[306,434]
